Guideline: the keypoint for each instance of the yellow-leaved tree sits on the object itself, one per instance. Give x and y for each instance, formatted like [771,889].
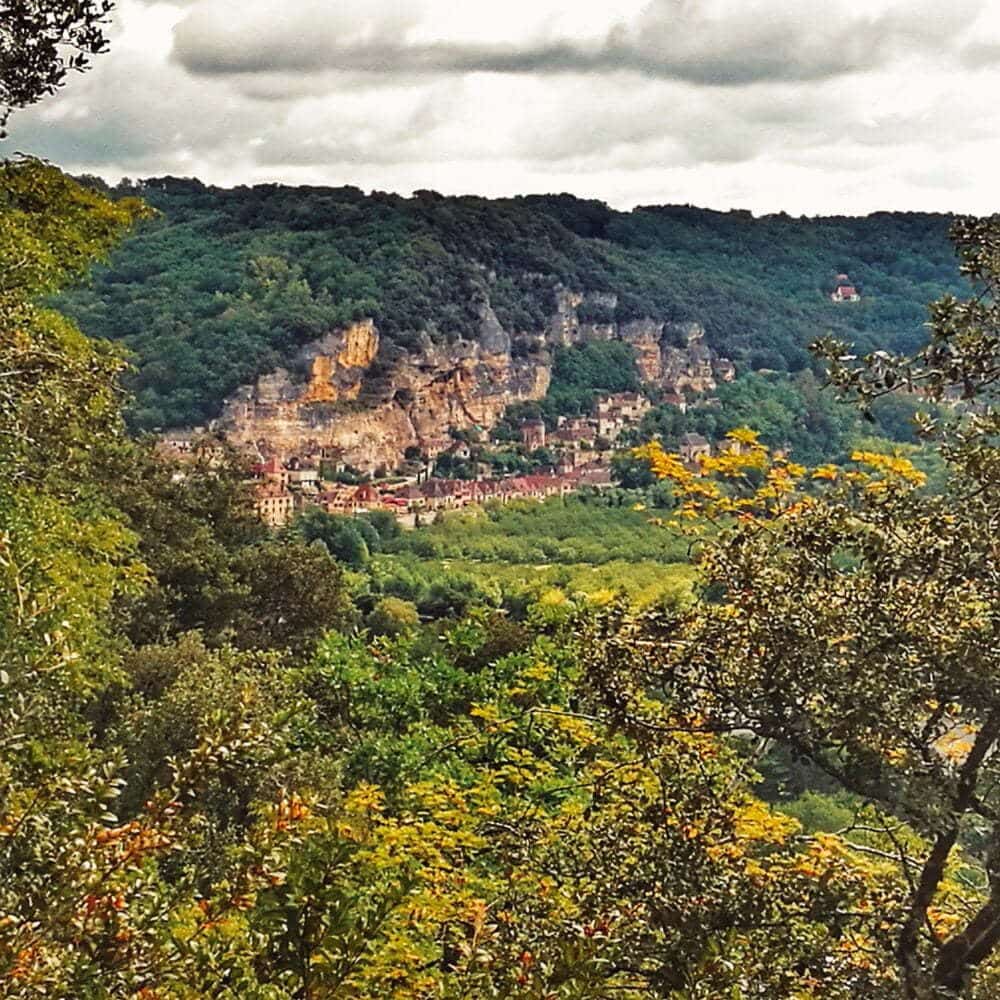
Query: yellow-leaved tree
[853,616]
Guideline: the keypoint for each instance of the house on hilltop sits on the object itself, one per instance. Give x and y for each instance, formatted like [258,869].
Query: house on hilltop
[845,291]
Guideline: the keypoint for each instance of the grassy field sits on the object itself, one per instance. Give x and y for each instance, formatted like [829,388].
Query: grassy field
[530,553]
[569,531]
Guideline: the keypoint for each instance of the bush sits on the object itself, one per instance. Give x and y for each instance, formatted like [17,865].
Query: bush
[392,616]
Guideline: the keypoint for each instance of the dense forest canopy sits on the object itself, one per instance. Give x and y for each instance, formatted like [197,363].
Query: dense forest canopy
[226,284]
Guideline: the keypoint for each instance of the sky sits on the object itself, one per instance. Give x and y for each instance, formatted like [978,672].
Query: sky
[769,105]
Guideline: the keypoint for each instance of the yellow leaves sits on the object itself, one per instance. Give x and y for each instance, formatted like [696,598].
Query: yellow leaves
[538,671]
[942,921]
[488,712]
[756,822]
[365,799]
[290,811]
[732,464]
[553,598]
[601,598]
[827,472]
[780,480]
[746,436]
[892,467]
[827,853]
[955,744]
[841,640]
[858,948]
[493,721]
[743,479]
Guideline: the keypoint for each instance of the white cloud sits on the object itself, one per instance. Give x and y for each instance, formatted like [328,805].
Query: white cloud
[766,104]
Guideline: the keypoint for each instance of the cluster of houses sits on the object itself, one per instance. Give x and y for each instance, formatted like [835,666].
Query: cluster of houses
[283,489]
[581,449]
[574,437]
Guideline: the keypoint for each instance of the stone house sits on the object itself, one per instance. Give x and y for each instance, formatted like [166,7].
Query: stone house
[304,479]
[692,448]
[367,497]
[274,504]
[339,500]
[533,434]
[271,471]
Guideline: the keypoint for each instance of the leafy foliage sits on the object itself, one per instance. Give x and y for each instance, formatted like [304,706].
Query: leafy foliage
[201,797]
[34,38]
[848,614]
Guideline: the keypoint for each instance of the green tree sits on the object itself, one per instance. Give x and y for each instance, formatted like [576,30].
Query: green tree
[342,537]
[41,41]
[631,472]
[391,615]
[851,615]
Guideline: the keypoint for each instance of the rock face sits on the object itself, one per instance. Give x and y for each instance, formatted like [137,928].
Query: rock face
[335,403]
[371,402]
[645,336]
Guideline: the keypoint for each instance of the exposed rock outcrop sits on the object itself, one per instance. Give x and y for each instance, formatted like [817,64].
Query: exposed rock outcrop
[645,335]
[373,402]
[414,404]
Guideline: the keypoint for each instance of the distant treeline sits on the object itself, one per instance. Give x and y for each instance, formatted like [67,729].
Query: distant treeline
[226,284]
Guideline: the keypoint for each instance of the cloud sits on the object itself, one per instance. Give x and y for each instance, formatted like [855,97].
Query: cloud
[705,42]
[729,103]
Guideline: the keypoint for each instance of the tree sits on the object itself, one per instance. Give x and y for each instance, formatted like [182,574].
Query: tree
[41,41]
[293,594]
[631,471]
[391,615]
[342,537]
[852,616]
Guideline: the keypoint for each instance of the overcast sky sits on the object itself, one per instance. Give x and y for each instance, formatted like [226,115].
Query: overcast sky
[795,105]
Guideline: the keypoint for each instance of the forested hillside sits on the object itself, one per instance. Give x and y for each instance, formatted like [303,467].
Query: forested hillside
[226,284]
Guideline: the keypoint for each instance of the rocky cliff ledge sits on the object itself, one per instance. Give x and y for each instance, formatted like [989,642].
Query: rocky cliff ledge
[373,402]
[341,392]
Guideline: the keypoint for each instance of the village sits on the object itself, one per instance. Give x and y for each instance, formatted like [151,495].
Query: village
[456,468]
[579,449]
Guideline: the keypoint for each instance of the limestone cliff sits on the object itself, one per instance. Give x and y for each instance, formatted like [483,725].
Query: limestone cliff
[333,397]
[372,402]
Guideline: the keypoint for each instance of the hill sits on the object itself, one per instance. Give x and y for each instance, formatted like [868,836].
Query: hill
[229,284]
